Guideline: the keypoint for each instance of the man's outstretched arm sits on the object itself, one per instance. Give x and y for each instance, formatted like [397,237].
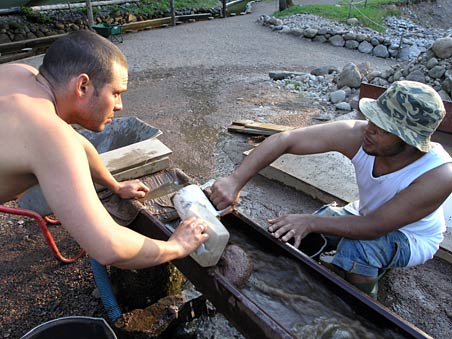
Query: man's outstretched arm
[64,176]
[341,136]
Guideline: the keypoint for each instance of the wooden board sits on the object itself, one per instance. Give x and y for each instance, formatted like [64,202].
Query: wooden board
[257,128]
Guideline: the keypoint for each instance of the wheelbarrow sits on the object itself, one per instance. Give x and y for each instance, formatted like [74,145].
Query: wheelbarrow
[109,31]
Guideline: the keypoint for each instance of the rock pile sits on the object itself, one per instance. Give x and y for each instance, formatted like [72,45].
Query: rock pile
[328,84]
[402,40]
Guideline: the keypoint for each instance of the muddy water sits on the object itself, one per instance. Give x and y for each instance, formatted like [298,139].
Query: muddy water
[303,306]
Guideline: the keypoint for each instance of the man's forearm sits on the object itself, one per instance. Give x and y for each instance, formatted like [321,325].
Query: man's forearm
[352,227]
[262,156]
[99,172]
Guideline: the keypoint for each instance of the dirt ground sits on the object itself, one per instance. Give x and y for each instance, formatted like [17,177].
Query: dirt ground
[193,106]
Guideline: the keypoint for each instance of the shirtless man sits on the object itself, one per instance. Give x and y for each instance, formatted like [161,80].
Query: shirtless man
[81,81]
[403,179]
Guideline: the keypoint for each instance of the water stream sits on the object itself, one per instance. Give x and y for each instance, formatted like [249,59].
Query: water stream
[305,307]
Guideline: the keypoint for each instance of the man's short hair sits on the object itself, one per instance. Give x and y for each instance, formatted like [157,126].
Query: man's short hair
[81,52]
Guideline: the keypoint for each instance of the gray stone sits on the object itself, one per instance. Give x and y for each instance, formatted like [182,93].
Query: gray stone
[374,41]
[380,82]
[444,95]
[352,21]
[416,75]
[337,96]
[381,51]
[337,41]
[365,47]
[351,44]
[296,31]
[349,36]
[398,76]
[432,62]
[361,37]
[350,76]
[374,74]
[320,38]
[437,72]
[343,106]
[409,52]
[274,21]
[364,68]
[324,70]
[285,29]
[447,83]
[310,33]
[443,47]
[281,75]
[354,102]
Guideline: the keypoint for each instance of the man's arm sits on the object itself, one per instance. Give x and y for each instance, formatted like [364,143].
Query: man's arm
[102,176]
[342,136]
[415,202]
[60,164]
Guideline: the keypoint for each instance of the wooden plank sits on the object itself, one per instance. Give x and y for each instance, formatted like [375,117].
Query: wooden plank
[30,43]
[245,130]
[262,126]
[444,254]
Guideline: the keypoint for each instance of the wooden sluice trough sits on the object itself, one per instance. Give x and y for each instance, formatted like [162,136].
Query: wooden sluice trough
[249,317]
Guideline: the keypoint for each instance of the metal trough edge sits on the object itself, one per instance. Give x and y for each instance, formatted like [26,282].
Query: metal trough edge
[243,313]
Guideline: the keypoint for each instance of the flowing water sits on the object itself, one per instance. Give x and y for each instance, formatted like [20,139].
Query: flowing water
[304,306]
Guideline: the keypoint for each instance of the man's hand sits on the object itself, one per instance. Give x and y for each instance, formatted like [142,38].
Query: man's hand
[132,189]
[224,192]
[189,235]
[290,226]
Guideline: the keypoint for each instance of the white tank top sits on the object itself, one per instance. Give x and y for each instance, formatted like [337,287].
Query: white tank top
[424,235]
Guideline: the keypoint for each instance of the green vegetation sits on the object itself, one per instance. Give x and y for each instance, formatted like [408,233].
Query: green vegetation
[153,6]
[35,16]
[371,15]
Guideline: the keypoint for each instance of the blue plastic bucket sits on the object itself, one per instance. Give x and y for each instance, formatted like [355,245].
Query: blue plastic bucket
[72,328]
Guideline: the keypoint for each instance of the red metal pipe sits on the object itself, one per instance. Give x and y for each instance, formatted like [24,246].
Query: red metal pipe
[45,231]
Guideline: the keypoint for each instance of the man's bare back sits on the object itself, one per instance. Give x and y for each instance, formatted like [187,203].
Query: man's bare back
[80,81]
[25,107]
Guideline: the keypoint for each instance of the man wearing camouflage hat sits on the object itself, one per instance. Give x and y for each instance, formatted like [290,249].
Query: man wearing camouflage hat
[403,180]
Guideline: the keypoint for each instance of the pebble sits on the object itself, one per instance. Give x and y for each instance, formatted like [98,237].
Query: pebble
[424,55]
[402,39]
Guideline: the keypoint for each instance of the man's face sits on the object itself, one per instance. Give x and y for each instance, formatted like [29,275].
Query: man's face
[379,142]
[105,101]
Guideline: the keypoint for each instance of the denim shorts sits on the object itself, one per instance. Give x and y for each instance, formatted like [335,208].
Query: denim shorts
[367,257]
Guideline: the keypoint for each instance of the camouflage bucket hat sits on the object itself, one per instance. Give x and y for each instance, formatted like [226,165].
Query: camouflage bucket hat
[408,109]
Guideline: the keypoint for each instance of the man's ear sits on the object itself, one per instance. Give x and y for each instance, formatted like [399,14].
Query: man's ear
[82,83]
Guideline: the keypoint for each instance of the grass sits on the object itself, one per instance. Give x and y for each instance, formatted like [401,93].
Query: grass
[150,6]
[372,15]
[144,7]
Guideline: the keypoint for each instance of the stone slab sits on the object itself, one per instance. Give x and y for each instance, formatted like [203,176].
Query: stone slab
[327,177]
